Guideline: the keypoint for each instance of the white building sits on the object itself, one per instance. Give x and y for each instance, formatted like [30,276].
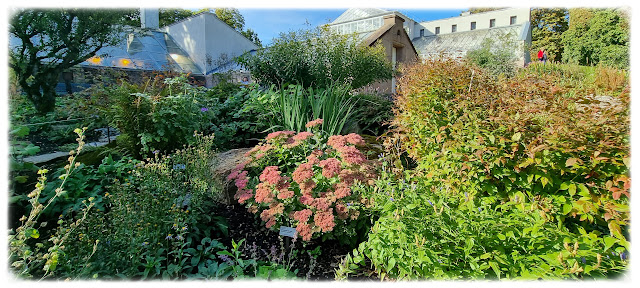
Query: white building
[452,37]
[209,42]
[469,22]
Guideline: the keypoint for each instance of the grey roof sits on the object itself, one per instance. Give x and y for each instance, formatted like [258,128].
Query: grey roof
[359,13]
[144,50]
[459,43]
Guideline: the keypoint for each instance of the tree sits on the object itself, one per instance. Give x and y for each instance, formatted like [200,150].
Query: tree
[168,16]
[51,41]
[548,24]
[476,10]
[253,36]
[496,55]
[318,58]
[597,36]
[233,18]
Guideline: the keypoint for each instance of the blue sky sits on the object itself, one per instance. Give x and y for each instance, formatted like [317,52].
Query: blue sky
[269,23]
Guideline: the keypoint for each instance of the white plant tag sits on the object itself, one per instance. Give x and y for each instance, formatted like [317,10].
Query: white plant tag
[287,231]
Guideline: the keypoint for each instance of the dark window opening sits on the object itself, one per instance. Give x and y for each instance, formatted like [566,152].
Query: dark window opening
[421,32]
[454,28]
[512,20]
[473,25]
[437,30]
[492,23]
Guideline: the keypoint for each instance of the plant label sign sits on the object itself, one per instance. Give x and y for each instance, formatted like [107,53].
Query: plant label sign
[287,231]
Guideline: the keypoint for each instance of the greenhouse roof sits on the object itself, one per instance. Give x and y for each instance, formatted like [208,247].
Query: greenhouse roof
[144,50]
[359,13]
[458,44]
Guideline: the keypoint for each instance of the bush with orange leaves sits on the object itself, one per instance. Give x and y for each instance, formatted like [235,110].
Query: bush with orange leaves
[532,137]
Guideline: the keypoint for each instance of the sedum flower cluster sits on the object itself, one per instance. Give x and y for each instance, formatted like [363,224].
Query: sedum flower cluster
[305,180]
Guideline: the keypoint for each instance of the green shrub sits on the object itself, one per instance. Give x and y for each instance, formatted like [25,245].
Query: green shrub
[599,80]
[521,135]
[293,106]
[371,114]
[233,118]
[305,181]
[28,255]
[318,58]
[156,219]
[496,56]
[425,232]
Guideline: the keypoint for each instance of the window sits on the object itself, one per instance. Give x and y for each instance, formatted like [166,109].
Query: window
[473,25]
[437,30]
[421,32]
[512,21]
[492,23]
[454,28]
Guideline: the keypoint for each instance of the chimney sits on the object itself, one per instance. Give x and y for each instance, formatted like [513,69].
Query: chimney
[150,18]
[393,19]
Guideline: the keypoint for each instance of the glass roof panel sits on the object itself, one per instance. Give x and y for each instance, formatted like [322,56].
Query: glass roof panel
[149,51]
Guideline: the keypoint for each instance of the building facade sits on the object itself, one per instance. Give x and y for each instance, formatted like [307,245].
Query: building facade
[450,37]
[379,27]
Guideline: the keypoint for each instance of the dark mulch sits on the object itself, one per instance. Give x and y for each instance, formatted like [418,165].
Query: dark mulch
[244,225]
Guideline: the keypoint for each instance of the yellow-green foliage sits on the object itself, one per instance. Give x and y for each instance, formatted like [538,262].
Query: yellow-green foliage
[535,135]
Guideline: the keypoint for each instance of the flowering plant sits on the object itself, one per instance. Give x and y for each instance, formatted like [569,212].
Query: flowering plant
[305,180]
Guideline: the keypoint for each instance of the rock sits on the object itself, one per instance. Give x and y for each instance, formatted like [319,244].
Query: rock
[601,102]
[222,165]
[37,159]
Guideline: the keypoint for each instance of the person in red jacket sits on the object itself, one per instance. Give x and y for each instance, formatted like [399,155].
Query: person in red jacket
[541,54]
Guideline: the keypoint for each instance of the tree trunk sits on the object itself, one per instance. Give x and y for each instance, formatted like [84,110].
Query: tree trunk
[43,94]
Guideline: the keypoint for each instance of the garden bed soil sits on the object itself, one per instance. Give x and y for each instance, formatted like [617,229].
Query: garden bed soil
[244,225]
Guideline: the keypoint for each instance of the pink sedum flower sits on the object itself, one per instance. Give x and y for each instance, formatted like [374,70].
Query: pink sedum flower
[270,175]
[304,230]
[314,123]
[324,220]
[302,136]
[263,193]
[336,141]
[352,155]
[285,194]
[342,191]
[303,173]
[303,215]
[330,167]
[243,195]
[273,136]
[354,139]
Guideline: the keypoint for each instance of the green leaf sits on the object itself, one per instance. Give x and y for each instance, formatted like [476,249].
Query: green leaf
[564,186]
[20,131]
[501,237]
[572,189]
[495,268]
[516,137]
[391,264]
[584,191]
[30,150]
[544,181]
[21,179]
[492,139]
[608,242]
[32,233]
[566,208]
